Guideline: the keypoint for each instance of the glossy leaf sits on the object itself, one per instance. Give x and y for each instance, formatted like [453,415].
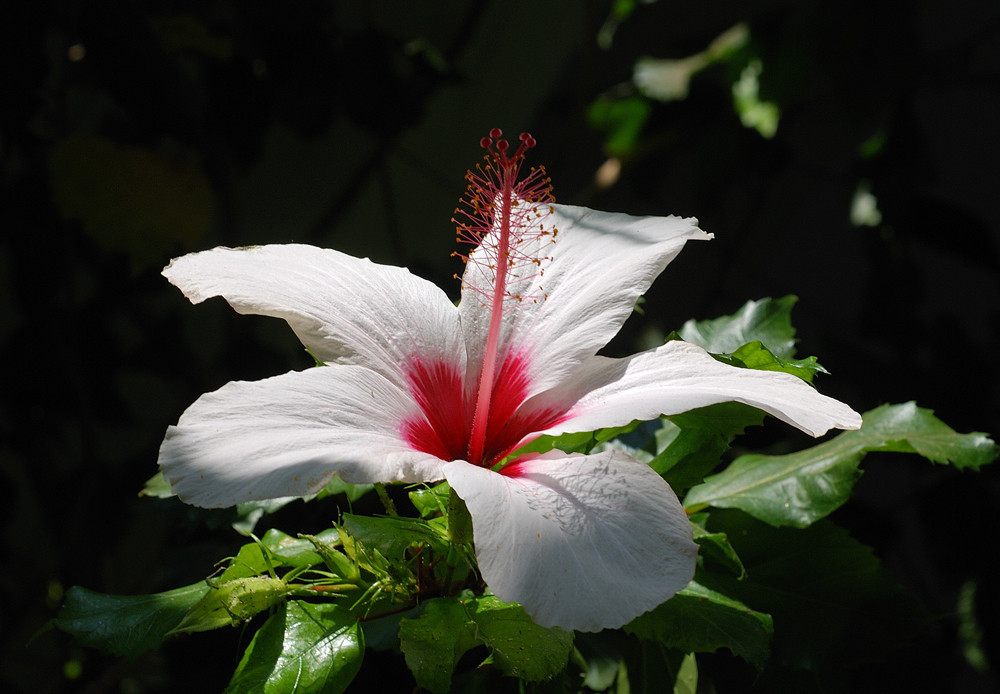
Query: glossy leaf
[433,642]
[768,320]
[302,649]
[391,536]
[448,627]
[799,488]
[692,444]
[754,355]
[520,647]
[701,620]
[297,551]
[126,625]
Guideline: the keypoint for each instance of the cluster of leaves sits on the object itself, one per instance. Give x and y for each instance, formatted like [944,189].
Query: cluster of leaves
[771,566]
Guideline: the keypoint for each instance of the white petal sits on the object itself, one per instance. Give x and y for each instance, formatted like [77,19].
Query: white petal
[582,542]
[344,309]
[602,262]
[679,376]
[287,435]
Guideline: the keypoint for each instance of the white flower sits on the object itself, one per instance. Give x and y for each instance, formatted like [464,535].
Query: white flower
[417,389]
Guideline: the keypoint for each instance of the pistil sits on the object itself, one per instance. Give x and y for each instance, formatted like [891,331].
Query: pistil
[501,214]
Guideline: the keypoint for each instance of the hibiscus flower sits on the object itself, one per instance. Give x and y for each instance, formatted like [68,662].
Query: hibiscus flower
[417,389]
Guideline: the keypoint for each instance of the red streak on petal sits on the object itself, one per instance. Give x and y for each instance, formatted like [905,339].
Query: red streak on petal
[445,428]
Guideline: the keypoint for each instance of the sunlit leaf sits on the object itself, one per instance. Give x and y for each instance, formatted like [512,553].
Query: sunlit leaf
[691,445]
[391,536]
[754,355]
[302,649]
[433,642]
[799,488]
[768,320]
[297,551]
[520,647]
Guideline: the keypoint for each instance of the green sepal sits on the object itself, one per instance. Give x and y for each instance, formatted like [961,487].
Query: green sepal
[232,602]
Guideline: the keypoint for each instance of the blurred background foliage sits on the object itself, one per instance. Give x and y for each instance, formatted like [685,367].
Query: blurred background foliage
[844,152]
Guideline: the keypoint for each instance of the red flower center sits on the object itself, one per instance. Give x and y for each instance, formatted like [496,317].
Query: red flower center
[445,429]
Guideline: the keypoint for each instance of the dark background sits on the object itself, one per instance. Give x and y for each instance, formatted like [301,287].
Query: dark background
[131,132]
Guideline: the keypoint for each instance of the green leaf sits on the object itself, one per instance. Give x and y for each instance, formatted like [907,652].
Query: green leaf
[126,625]
[520,647]
[157,487]
[431,501]
[353,492]
[448,627]
[249,561]
[577,442]
[392,536]
[690,445]
[621,121]
[799,488]
[832,603]
[768,320]
[754,355]
[297,551]
[302,649]
[701,620]
[433,642]
[714,549]
[232,602]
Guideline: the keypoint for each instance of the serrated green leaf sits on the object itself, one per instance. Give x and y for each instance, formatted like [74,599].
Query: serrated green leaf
[301,649]
[768,320]
[335,486]
[577,442]
[431,501]
[433,642]
[692,444]
[799,488]
[232,602]
[520,647]
[392,536]
[297,551]
[249,561]
[832,603]
[754,355]
[701,620]
[126,625]
[715,549]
